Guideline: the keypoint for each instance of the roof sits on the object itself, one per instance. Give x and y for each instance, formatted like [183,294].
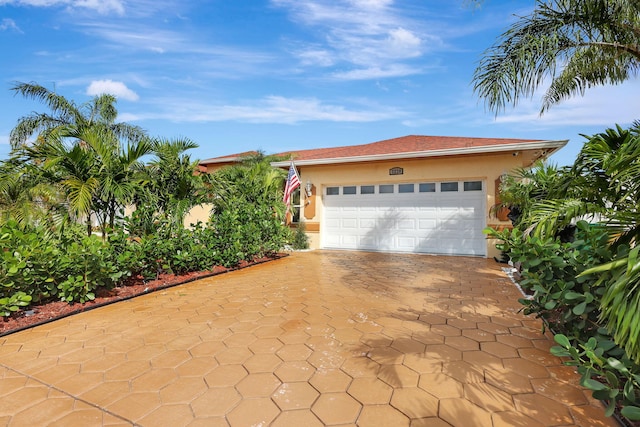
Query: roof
[230,158]
[411,146]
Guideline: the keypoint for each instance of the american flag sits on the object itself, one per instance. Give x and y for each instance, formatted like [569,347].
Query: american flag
[293,182]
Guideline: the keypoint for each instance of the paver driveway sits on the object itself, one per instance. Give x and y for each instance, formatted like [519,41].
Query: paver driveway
[318,338]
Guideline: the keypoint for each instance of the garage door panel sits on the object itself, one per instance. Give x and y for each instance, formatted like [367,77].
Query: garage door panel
[446,223]
[407,224]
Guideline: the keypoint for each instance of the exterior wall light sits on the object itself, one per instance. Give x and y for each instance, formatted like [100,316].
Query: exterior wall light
[308,188]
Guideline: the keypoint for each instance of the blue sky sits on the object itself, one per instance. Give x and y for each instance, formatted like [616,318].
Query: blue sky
[281,75]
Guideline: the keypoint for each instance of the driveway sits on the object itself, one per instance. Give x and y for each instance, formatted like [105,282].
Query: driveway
[317,338]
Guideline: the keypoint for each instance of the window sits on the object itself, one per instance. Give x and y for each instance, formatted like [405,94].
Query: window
[367,189]
[405,188]
[473,186]
[333,191]
[295,205]
[386,188]
[428,187]
[349,190]
[448,186]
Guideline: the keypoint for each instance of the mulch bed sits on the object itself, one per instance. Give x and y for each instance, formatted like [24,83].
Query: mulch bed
[38,314]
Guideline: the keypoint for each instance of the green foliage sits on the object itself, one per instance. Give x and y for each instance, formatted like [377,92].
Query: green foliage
[85,266]
[299,238]
[587,289]
[605,370]
[577,44]
[28,263]
[13,303]
[550,271]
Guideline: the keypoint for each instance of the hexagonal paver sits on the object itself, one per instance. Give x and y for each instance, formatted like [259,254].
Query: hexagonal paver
[253,412]
[226,375]
[370,391]
[458,412]
[541,357]
[336,408]
[386,355]
[499,349]
[294,371]
[258,385]
[525,368]
[488,397]
[207,349]
[443,352]
[328,380]
[326,359]
[240,340]
[134,406]
[464,372]
[301,417]
[174,415]
[235,355]
[262,363]
[415,403]
[440,385]
[183,390]
[265,345]
[408,345]
[462,343]
[554,413]
[480,358]
[422,364]
[507,381]
[294,352]
[560,392]
[290,396]
[398,376]
[382,416]
[445,330]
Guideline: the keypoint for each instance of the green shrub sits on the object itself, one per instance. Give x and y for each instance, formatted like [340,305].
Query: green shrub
[28,263]
[299,239]
[86,266]
[570,304]
[549,269]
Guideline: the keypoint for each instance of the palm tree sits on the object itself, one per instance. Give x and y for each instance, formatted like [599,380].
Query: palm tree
[173,184]
[253,181]
[27,199]
[80,150]
[577,44]
[68,119]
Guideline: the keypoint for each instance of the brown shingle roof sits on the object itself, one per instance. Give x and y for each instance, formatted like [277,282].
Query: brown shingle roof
[411,144]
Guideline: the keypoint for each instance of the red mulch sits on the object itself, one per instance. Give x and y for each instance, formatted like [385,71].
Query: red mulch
[52,310]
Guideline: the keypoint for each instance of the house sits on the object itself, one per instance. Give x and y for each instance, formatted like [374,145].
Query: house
[419,194]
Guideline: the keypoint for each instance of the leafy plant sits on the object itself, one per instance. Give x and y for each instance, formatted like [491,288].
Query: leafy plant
[605,370]
[13,303]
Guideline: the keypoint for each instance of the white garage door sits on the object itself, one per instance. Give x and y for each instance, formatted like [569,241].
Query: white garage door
[427,217]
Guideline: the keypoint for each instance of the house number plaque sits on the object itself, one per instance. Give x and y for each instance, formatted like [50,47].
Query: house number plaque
[396,171]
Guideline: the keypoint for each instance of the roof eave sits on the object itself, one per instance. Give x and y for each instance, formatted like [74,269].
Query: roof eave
[549,146]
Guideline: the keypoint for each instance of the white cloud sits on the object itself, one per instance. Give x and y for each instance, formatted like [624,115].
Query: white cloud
[9,24]
[393,70]
[271,109]
[117,89]
[365,34]
[100,6]
[313,56]
[403,43]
